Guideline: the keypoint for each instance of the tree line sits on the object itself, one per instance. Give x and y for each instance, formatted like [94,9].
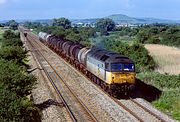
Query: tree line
[12,24]
[153,34]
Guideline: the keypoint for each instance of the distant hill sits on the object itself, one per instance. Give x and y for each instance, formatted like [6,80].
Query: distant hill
[91,21]
[118,18]
[121,19]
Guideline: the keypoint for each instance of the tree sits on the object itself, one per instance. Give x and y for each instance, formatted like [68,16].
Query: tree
[15,53]
[48,29]
[62,22]
[8,34]
[12,42]
[87,32]
[59,32]
[73,35]
[104,25]
[32,25]
[12,24]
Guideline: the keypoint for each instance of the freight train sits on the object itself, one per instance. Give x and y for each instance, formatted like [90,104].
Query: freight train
[113,72]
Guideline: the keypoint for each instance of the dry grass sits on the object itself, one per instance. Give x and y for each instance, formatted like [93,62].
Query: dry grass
[168,58]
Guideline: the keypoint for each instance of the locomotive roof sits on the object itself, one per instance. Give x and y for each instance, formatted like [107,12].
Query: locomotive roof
[108,56]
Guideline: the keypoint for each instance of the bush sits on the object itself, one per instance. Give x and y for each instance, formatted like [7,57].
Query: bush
[162,81]
[10,105]
[16,109]
[15,53]
[15,78]
[168,35]
[8,34]
[11,42]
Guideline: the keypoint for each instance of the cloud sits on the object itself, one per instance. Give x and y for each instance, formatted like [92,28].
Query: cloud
[3,1]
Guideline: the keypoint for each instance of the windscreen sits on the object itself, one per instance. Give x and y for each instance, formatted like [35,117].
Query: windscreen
[128,67]
[122,67]
[116,67]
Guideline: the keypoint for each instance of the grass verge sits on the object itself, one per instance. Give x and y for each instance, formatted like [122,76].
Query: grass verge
[169,84]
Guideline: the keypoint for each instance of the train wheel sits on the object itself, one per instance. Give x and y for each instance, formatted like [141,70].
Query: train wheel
[106,88]
[110,92]
[102,86]
[98,82]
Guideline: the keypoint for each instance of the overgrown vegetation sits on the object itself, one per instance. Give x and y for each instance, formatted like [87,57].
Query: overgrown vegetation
[161,81]
[153,34]
[169,84]
[104,25]
[15,82]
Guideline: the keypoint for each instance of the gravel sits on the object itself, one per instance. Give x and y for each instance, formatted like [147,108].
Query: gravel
[139,111]
[43,96]
[154,110]
[103,107]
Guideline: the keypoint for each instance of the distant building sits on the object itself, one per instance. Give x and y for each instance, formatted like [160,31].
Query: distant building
[80,24]
[127,25]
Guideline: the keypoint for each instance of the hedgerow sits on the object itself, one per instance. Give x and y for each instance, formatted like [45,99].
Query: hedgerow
[162,81]
[15,82]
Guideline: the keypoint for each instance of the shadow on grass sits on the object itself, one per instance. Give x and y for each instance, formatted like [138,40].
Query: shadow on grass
[146,91]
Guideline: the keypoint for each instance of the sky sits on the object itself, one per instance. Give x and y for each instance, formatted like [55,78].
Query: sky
[80,9]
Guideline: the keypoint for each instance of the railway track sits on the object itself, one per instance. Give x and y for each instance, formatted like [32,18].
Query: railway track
[147,110]
[119,102]
[137,113]
[74,106]
[140,111]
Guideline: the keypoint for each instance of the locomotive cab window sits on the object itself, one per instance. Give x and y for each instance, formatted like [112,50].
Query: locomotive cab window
[116,67]
[128,67]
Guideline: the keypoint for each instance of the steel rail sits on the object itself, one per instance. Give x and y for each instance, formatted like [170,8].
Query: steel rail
[84,106]
[147,110]
[54,86]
